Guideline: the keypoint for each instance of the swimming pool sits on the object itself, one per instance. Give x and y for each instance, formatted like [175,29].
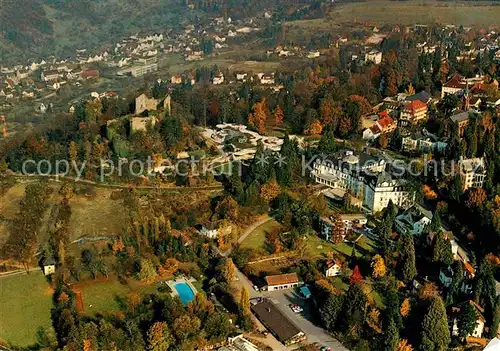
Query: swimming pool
[185,292]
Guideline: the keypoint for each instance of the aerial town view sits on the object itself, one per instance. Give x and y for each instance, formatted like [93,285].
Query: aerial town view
[248,175]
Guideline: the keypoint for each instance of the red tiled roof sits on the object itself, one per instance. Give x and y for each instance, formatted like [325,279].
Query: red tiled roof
[281,279]
[385,122]
[455,82]
[469,268]
[90,73]
[383,113]
[375,129]
[415,105]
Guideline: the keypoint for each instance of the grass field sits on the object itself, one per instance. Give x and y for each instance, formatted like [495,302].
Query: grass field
[257,238]
[25,303]
[319,248]
[97,216]
[406,13]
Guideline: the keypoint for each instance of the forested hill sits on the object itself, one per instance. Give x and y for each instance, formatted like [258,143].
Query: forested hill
[34,28]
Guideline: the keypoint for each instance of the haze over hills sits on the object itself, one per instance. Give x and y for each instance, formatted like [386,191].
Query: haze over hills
[44,27]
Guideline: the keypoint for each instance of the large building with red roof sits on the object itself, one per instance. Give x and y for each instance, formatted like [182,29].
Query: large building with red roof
[413,113]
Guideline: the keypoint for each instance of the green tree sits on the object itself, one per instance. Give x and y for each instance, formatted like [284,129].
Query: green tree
[456,188]
[406,262]
[391,336]
[353,311]
[435,334]
[330,311]
[466,320]
[442,252]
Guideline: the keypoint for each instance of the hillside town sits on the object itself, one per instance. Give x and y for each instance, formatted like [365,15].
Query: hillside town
[226,185]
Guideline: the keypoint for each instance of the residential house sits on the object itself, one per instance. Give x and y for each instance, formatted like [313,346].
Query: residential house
[331,228]
[241,77]
[239,343]
[350,221]
[423,96]
[472,172]
[267,79]
[90,74]
[49,266]
[176,80]
[374,56]
[413,221]
[282,281]
[372,133]
[333,269]
[218,79]
[456,85]
[413,112]
[51,75]
[423,142]
[213,230]
[480,321]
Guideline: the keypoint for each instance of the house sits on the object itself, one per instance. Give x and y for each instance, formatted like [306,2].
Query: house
[372,133]
[218,79]
[279,324]
[213,230]
[350,221]
[423,96]
[480,321]
[423,142]
[412,113]
[313,54]
[413,221]
[462,120]
[472,172]
[374,56]
[267,79]
[331,228]
[455,85]
[241,77]
[50,75]
[90,74]
[282,281]
[239,343]
[176,80]
[386,124]
[333,269]
[142,123]
[49,266]
[494,344]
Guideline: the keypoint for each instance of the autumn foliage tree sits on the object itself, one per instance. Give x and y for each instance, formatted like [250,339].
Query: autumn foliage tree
[279,116]
[475,198]
[257,118]
[270,190]
[378,266]
[315,128]
[356,276]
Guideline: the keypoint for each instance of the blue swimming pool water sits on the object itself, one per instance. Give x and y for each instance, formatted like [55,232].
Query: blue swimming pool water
[185,292]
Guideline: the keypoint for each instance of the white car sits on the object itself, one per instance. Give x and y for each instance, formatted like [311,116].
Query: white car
[256,288]
[296,308]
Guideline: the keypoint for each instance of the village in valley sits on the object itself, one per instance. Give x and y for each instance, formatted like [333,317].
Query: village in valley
[266,181]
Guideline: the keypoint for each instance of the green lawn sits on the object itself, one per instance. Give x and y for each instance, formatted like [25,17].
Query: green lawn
[319,248]
[25,303]
[102,296]
[257,238]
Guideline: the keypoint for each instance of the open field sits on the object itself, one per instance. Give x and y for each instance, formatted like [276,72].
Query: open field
[96,216]
[405,13]
[319,248]
[257,238]
[9,206]
[25,303]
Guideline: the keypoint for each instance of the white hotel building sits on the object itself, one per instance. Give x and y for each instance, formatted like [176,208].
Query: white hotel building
[365,177]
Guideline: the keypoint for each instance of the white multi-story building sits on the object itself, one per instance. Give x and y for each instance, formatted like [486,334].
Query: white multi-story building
[365,177]
[383,188]
[374,56]
[472,172]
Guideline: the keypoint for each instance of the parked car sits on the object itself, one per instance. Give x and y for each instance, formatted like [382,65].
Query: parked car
[325,348]
[256,288]
[296,308]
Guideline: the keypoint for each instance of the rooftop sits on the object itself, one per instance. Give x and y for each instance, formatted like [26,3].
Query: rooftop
[274,319]
[281,279]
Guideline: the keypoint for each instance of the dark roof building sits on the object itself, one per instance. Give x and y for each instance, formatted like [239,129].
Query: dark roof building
[279,324]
